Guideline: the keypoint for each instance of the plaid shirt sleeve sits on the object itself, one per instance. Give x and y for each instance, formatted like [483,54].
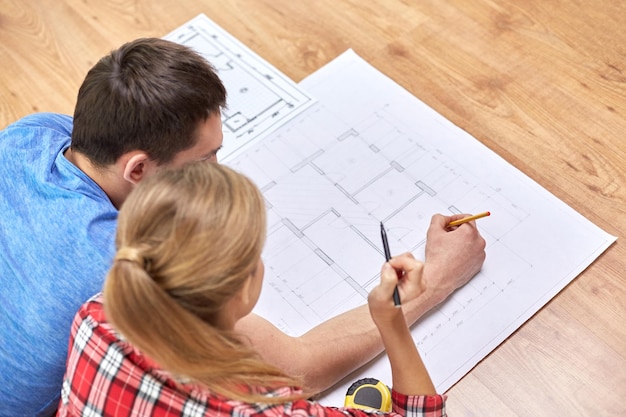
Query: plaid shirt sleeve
[106,376]
[419,405]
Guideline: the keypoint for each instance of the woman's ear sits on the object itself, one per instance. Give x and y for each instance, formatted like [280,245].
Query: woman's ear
[244,293]
[235,308]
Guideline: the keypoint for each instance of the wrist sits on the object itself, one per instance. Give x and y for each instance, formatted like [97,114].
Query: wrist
[436,290]
[438,287]
[388,322]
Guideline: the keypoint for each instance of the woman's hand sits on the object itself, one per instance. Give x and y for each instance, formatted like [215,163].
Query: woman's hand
[405,272]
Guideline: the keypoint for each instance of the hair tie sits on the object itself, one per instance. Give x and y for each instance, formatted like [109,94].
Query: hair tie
[131,255]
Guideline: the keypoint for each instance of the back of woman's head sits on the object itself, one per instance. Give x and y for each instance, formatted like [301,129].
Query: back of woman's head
[150,94]
[187,240]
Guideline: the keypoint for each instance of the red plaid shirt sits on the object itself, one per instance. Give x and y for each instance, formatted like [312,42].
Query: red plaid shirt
[107,377]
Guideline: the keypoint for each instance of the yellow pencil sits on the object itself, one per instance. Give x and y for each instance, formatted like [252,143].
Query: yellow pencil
[469,218]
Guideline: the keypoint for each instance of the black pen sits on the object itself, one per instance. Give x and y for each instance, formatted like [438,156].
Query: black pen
[383,234]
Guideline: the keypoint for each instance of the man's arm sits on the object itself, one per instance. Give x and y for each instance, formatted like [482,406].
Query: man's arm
[338,346]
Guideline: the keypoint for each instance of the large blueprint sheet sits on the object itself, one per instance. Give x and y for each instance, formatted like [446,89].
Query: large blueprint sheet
[369,151]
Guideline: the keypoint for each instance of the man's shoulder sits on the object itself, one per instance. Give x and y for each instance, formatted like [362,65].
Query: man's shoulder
[55,121]
[37,131]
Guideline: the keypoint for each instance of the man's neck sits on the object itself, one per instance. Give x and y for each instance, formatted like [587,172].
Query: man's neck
[107,178]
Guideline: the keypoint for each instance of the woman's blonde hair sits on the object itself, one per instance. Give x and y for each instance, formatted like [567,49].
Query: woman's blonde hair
[187,240]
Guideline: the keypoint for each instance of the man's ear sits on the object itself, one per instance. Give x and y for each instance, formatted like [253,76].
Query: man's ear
[135,165]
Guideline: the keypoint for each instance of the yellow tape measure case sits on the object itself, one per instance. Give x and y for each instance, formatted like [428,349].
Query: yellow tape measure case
[368,394]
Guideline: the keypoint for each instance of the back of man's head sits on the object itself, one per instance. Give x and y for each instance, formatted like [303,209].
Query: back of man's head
[148,95]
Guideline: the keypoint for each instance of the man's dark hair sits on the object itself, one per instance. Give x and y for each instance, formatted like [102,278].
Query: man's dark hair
[149,95]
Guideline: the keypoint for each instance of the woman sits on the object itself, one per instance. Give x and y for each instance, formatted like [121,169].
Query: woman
[160,340]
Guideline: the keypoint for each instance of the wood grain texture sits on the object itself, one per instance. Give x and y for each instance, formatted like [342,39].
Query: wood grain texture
[542,83]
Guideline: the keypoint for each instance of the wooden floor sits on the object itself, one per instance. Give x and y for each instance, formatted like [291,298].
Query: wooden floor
[541,82]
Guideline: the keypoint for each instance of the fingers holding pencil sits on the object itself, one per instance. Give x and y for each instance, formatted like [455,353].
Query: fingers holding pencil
[458,222]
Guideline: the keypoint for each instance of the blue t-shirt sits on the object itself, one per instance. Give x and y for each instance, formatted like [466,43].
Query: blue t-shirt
[57,235]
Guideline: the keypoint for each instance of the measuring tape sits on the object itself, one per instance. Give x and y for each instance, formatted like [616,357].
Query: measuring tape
[369,394]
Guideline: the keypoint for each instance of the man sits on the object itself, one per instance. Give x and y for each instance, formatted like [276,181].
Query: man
[148,105]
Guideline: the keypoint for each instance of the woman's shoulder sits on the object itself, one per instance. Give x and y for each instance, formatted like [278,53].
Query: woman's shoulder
[92,312]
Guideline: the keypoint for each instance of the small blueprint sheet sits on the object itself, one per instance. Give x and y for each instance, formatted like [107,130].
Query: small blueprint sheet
[259,97]
[369,151]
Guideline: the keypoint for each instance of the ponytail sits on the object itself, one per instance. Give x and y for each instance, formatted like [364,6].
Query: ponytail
[176,267]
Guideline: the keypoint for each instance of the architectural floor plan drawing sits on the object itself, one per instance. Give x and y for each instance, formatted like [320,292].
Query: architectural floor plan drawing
[369,151]
[326,196]
[259,97]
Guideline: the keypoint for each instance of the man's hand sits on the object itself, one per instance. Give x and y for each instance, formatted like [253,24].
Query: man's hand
[453,256]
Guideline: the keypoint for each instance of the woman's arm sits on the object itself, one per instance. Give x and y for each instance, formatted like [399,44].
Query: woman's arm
[409,375]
